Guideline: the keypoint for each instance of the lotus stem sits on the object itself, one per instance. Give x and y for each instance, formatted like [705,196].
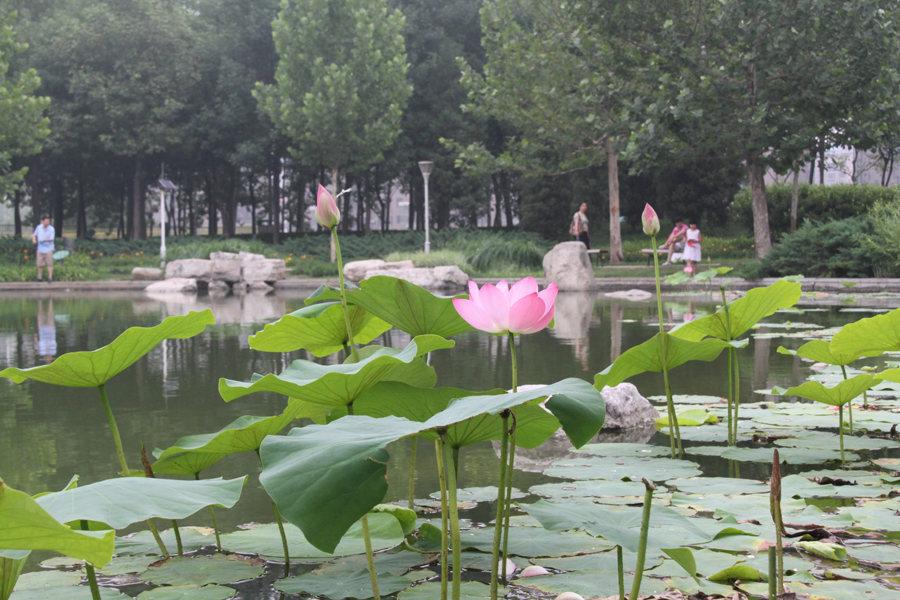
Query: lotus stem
[841,432]
[773,574]
[775,509]
[89,569]
[340,265]
[177,538]
[508,508]
[212,513]
[730,396]
[413,447]
[737,396]
[674,429]
[115,430]
[445,553]
[865,399]
[645,530]
[370,557]
[501,502]
[284,542]
[621,568]
[849,404]
[732,405]
[454,528]
[159,542]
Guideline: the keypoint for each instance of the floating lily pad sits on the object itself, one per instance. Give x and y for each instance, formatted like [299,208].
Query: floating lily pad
[656,469]
[842,590]
[78,592]
[591,583]
[593,488]
[188,592]
[127,564]
[624,449]
[202,570]
[478,494]
[41,580]
[688,399]
[830,441]
[605,561]
[708,562]
[794,456]
[742,572]
[882,553]
[341,584]
[531,541]
[142,542]
[385,562]
[468,590]
[718,485]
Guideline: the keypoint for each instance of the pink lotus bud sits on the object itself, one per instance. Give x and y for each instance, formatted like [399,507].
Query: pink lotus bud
[533,571]
[327,213]
[650,220]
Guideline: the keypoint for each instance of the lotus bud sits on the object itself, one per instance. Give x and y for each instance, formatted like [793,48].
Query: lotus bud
[327,213]
[533,571]
[569,596]
[650,220]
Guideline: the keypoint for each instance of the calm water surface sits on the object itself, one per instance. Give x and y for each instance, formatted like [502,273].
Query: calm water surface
[49,433]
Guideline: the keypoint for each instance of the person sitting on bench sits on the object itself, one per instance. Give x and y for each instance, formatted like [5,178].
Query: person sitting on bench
[675,243]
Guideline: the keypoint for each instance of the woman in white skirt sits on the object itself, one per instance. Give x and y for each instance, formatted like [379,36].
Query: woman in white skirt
[693,240]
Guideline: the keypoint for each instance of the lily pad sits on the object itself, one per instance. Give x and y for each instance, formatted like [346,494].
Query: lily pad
[592,488]
[40,580]
[341,584]
[202,570]
[591,583]
[742,572]
[830,441]
[468,590]
[624,449]
[604,561]
[532,541]
[479,494]
[794,456]
[612,468]
[188,592]
[142,542]
[392,563]
[121,565]
[78,592]
[719,485]
[842,590]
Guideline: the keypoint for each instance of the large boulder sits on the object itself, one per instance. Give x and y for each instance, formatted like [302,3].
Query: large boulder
[250,256]
[449,277]
[175,285]
[189,268]
[399,264]
[266,270]
[626,408]
[223,256]
[356,270]
[421,277]
[569,266]
[226,270]
[146,274]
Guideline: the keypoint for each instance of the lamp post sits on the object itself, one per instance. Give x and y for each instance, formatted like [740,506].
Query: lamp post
[426,166]
[164,186]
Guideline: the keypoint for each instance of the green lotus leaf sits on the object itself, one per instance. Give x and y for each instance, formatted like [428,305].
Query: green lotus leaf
[75,592]
[406,517]
[26,525]
[96,367]
[49,578]
[742,572]
[342,584]
[468,590]
[10,569]
[187,463]
[334,385]
[244,434]
[648,357]
[685,559]
[822,351]
[188,592]
[117,503]
[325,477]
[869,337]
[404,305]
[743,313]
[536,541]
[320,329]
[594,584]
[202,570]
[824,549]
[838,395]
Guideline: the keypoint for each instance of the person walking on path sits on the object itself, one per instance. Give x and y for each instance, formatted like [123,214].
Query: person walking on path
[580,228]
[692,247]
[43,236]
[675,243]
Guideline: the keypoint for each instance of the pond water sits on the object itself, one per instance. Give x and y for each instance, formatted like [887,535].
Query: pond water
[49,433]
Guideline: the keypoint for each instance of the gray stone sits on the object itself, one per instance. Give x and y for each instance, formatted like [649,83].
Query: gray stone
[450,277]
[218,287]
[226,270]
[174,285]
[633,295]
[267,270]
[568,265]
[223,256]
[626,408]
[239,288]
[146,274]
[189,268]
[420,277]
[356,270]
[261,287]
[399,264]
[250,256]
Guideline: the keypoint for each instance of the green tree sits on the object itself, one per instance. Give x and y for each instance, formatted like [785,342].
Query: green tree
[340,83]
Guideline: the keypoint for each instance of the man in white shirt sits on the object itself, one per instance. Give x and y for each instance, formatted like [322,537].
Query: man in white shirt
[43,236]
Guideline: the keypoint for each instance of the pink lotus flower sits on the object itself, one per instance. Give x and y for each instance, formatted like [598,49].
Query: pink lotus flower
[500,309]
[688,270]
[327,213]
[650,220]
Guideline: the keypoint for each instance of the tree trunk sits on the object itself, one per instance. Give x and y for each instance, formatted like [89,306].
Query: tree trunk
[275,202]
[59,203]
[822,166]
[35,186]
[507,198]
[615,227]
[301,206]
[137,199]
[122,232]
[890,173]
[411,224]
[212,227]
[17,214]
[812,170]
[795,198]
[252,190]
[760,205]
[229,209]
[498,218]
[192,219]
[81,216]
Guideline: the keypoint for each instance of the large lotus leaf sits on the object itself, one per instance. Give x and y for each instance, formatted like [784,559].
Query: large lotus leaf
[593,584]
[615,468]
[838,395]
[416,373]
[404,305]
[534,425]
[188,592]
[718,485]
[869,337]
[743,313]
[333,385]
[821,351]
[244,434]
[648,357]
[120,502]
[342,584]
[187,463]
[75,592]
[42,580]
[597,489]
[604,561]
[841,590]
[793,456]
[468,590]
[142,543]
[394,563]
[202,570]
[324,478]
[618,524]
[26,525]
[10,569]
[96,367]
[536,541]
[320,329]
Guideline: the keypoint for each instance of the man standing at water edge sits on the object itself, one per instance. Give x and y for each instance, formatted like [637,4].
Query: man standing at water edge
[43,236]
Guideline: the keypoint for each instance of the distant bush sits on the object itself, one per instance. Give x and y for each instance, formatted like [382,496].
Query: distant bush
[436,258]
[832,249]
[815,203]
[882,244]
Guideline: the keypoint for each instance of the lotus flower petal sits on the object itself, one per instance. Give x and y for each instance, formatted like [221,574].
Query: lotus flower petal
[500,308]
[474,315]
[525,313]
[521,289]
[327,213]
[650,220]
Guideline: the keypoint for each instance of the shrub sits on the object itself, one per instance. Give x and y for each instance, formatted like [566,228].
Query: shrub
[881,244]
[437,258]
[832,249]
[815,203]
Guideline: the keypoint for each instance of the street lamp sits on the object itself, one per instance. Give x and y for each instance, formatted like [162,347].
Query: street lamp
[164,186]
[426,166]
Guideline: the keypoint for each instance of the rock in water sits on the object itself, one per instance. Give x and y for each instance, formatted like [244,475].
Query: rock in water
[569,266]
[356,270]
[189,268]
[146,274]
[176,285]
[626,408]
